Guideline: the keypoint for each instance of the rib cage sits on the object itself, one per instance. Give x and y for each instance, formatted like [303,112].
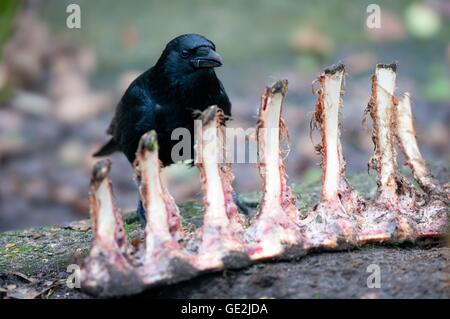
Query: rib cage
[341,220]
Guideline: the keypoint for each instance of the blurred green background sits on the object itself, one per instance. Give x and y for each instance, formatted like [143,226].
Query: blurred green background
[59,86]
[257,38]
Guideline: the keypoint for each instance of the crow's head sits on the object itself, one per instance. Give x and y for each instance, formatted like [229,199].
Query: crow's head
[189,53]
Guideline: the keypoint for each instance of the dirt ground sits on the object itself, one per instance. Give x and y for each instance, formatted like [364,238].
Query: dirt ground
[405,273]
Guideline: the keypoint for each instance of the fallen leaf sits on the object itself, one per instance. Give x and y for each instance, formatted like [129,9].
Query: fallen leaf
[22,293]
[83,225]
[36,235]
[28,292]
[23,276]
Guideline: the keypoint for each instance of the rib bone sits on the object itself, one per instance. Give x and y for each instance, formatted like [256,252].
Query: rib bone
[222,231]
[327,114]
[406,133]
[383,220]
[107,270]
[164,257]
[333,222]
[382,108]
[274,230]
[382,111]
[431,218]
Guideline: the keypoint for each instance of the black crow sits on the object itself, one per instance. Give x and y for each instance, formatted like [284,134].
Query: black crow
[165,97]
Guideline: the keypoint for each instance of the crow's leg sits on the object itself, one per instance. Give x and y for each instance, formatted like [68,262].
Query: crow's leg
[140,212]
[244,207]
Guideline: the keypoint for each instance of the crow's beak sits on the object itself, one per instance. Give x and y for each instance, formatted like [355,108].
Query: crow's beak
[211,60]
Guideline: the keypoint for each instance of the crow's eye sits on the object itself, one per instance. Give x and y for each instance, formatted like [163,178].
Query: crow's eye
[184,53]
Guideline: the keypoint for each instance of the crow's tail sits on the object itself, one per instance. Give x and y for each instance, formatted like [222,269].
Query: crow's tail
[107,149]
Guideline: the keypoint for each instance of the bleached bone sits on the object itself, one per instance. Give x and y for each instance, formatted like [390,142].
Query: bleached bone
[382,109]
[431,217]
[406,133]
[333,222]
[274,231]
[107,270]
[222,231]
[383,219]
[164,257]
[327,116]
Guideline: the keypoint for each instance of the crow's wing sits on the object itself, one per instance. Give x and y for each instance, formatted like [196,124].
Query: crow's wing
[135,115]
[224,102]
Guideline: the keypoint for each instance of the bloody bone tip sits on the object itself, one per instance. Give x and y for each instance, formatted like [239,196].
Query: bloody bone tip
[280,86]
[101,170]
[392,66]
[335,68]
[209,114]
[149,141]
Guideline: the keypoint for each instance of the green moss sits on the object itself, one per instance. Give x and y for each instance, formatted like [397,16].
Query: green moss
[132,229]
[192,213]
[41,250]
[85,252]
[14,251]
[152,144]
